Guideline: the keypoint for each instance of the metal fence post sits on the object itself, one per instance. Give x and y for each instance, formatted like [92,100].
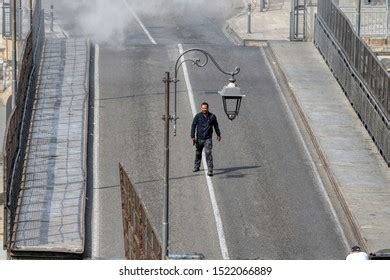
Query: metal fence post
[14,62]
[387,17]
[51,18]
[249,17]
[30,8]
[359,17]
[20,19]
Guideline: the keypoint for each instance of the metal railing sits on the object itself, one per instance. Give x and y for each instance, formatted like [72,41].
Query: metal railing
[18,125]
[369,68]
[361,75]
[141,240]
[298,20]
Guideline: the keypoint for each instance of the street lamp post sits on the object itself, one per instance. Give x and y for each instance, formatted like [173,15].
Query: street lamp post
[167,118]
[231,95]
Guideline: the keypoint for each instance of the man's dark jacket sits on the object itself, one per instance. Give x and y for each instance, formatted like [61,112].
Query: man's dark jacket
[204,126]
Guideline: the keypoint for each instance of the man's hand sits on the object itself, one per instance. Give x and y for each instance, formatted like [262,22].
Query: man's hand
[193,141]
[219,138]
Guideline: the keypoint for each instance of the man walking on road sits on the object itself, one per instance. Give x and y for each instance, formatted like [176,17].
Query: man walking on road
[203,123]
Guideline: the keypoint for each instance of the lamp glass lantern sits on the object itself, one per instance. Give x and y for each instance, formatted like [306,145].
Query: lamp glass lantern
[231,98]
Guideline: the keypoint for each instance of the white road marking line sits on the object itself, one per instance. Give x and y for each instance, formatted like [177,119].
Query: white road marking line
[140,22]
[312,164]
[217,215]
[96,167]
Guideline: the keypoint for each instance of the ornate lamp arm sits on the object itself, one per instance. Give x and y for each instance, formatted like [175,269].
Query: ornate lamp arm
[199,63]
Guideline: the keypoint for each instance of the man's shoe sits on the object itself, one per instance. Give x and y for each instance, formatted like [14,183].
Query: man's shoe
[196,169]
[210,173]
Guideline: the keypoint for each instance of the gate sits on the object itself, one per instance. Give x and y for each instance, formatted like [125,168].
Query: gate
[298,20]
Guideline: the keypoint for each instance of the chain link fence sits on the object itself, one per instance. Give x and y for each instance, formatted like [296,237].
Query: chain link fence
[374,20]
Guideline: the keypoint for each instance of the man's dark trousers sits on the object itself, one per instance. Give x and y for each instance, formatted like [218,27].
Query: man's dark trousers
[208,145]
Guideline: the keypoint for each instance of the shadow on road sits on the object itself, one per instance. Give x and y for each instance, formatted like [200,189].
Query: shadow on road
[231,172]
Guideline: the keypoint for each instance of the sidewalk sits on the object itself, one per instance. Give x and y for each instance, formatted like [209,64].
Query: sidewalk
[354,164]
[270,25]
[51,210]
[63,57]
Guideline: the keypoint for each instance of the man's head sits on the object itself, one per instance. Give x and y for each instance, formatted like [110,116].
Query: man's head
[205,108]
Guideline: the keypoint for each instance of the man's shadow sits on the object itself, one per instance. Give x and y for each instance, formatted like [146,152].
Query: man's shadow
[233,172]
[230,172]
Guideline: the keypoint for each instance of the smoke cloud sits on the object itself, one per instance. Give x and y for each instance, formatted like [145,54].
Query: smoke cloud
[101,20]
[106,21]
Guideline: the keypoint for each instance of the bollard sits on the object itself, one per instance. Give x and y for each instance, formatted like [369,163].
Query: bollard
[249,18]
[263,5]
[51,18]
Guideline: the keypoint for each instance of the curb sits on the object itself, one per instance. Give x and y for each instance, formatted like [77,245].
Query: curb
[233,35]
[244,42]
[230,30]
[332,179]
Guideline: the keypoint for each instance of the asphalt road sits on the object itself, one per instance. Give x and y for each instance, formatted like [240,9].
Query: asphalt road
[268,196]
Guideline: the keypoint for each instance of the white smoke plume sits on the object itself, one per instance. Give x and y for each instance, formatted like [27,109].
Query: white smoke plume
[107,20]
